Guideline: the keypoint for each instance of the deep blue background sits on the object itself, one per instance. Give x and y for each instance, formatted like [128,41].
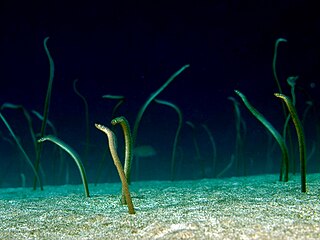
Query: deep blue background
[130,48]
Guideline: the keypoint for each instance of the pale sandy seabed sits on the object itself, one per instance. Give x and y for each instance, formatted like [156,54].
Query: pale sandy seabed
[257,207]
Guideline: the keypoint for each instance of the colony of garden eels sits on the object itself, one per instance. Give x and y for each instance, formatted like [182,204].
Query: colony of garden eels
[131,139]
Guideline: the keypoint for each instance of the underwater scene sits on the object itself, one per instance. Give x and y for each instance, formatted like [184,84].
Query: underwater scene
[147,120]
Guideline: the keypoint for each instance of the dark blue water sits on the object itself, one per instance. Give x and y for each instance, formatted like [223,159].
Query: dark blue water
[131,50]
